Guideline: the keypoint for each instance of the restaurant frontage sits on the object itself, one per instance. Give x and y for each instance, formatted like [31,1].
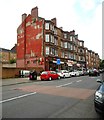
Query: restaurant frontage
[52,64]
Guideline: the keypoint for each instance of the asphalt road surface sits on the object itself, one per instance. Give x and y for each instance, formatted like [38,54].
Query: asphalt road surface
[64,98]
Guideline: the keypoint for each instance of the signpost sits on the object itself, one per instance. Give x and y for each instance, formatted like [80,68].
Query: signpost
[58,62]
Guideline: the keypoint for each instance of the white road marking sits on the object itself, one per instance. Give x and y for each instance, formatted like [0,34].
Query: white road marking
[18,97]
[64,84]
[93,77]
[79,81]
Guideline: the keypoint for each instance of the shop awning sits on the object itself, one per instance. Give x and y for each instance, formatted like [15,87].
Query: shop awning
[69,64]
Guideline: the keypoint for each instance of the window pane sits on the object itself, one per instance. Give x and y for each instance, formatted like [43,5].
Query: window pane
[71,38]
[80,43]
[65,45]
[47,50]
[65,35]
[47,38]
[47,26]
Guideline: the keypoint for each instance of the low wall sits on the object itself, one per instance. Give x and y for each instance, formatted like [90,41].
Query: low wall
[10,72]
[14,72]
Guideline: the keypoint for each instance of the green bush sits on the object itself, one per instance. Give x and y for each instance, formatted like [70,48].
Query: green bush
[12,61]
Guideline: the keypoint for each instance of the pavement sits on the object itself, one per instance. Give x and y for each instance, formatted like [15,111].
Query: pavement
[14,81]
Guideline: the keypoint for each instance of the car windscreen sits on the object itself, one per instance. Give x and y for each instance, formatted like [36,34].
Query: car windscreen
[44,73]
[101,88]
[53,72]
[59,72]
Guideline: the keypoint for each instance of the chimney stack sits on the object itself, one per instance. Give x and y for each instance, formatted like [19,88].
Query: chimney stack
[54,20]
[34,12]
[72,32]
[24,16]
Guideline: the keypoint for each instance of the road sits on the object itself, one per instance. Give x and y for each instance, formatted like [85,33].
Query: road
[65,98]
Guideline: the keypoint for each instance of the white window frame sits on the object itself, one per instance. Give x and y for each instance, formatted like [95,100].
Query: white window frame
[55,31]
[81,44]
[62,44]
[51,27]
[52,39]
[74,56]
[74,39]
[55,41]
[47,50]
[47,26]
[71,47]
[47,37]
[71,38]
[65,45]
[56,53]
[65,35]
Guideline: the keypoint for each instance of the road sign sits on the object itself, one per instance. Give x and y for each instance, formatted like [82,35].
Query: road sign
[58,61]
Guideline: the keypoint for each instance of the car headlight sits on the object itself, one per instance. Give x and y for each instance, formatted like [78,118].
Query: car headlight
[98,96]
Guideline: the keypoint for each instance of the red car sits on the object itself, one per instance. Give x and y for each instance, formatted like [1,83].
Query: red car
[49,75]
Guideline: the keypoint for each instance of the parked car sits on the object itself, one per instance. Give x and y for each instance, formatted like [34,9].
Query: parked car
[101,70]
[81,72]
[64,73]
[94,72]
[24,73]
[99,98]
[60,73]
[74,73]
[49,75]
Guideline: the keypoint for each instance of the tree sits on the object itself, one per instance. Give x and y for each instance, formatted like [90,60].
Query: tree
[102,64]
[12,61]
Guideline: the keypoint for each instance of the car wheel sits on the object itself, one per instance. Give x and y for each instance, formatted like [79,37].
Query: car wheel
[50,78]
[59,77]
[97,111]
[64,76]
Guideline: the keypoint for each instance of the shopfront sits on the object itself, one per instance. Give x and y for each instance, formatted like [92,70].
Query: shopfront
[51,64]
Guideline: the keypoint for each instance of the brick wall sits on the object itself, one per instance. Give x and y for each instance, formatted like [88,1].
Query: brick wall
[10,72]
[14,72]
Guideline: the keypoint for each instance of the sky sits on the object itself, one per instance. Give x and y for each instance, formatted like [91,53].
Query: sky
[83,16]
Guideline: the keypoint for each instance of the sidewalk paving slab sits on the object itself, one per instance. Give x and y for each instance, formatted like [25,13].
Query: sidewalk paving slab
[14,81]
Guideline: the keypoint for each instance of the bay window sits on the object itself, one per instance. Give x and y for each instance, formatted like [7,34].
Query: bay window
[65,45]
[65,35]
[47,50]
[71,38]
[47,38]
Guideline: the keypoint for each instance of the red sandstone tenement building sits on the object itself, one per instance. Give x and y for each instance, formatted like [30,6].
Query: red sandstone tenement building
[40,43]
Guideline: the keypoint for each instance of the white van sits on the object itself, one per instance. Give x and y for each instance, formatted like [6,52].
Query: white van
[24,73]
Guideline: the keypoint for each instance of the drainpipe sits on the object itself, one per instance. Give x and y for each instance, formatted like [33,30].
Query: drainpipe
[24,26]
